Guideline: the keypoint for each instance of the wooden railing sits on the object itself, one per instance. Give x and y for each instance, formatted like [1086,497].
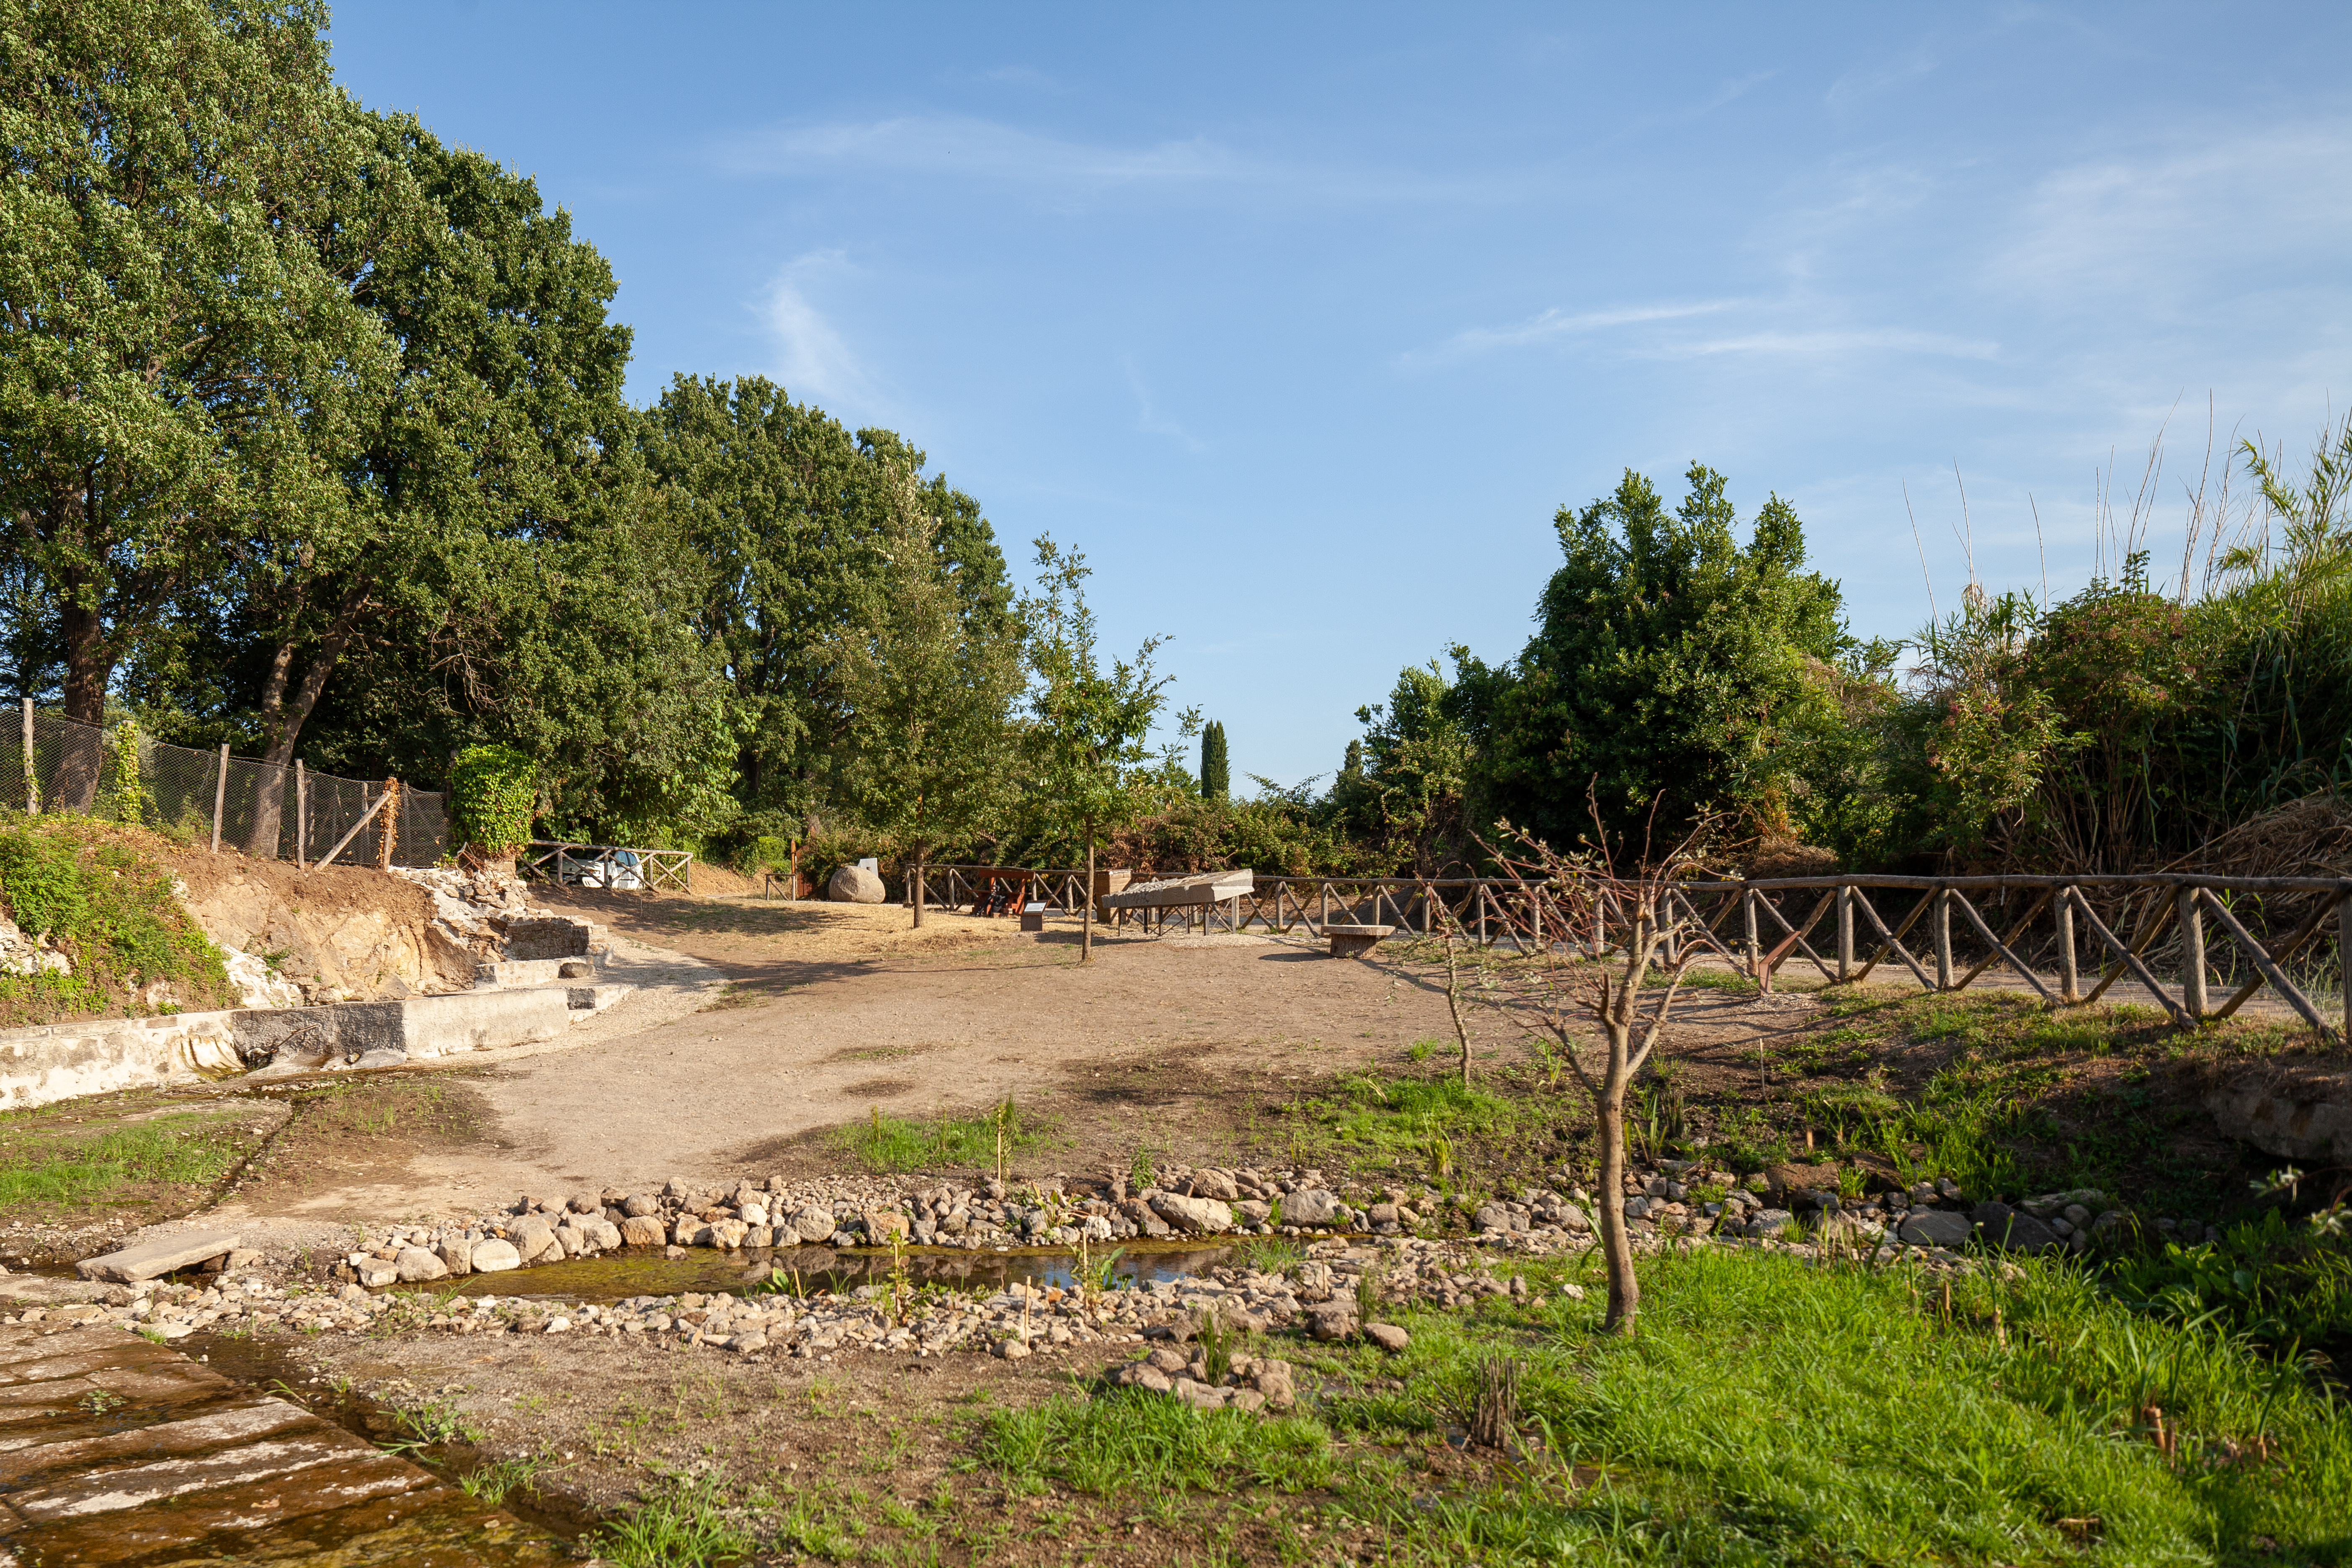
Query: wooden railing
[2054,933]
[562,862]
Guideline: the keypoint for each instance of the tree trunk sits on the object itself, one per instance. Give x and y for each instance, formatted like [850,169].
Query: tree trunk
[1086,925]
[1453,999]
[1616,1245]
[283,714]
[918,887]
[89,667]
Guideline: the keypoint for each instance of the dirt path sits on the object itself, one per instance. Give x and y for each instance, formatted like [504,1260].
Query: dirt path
[1183,1045]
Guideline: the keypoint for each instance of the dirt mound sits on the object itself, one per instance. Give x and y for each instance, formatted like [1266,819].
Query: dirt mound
[1777,857]
[346,933]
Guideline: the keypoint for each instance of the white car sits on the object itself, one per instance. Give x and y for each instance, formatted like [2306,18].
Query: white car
[616,870]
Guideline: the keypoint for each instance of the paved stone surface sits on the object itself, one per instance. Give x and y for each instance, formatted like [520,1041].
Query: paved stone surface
[119,1452]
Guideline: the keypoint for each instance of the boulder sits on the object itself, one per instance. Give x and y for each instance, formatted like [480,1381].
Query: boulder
[1201,1216]
[416,1266]
[854,885]
[1388,1336]
[2296,1115]
[1495,1217]
[641,1230]
[1252,1212]
[1274,1380]
[493,1256]
[884,1226]
[1213,1184]
[1934,1228]
[457,1255]
[691,1230]
[1312,1205]
[1572,1218]
[813,1223]
[1331,1319]
[728,1233]
[1771,1223]
[637,1206]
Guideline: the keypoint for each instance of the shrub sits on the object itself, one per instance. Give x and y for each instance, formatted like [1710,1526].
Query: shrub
[494,795]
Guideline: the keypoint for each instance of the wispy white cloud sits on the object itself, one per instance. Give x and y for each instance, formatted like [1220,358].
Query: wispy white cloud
[1873,78]
[1831,343]
[814,361]
[1150,420]
[967,148]
[1556,324]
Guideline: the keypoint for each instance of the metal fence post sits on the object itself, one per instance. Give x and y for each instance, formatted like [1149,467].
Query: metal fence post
[220,795]
[2192,953]
[1846,933]
[2070,981]
[1941,917]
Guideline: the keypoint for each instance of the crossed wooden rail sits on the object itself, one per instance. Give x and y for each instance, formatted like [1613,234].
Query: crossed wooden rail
[1746,924]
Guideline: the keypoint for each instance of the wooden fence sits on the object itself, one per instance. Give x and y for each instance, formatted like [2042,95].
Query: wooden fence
[654,869]
[2071,938]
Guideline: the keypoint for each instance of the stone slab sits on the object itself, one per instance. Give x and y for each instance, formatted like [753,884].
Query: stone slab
[1176,892]
[152,1259]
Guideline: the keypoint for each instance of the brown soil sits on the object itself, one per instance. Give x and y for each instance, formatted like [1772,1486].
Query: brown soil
[365,932]
[359,1131]
[61,1199]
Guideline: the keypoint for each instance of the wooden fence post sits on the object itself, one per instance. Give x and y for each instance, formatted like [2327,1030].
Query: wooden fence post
[302,814]
[2192,953]
[32,772]
[2344,961]
[1755,951]
[388,830]
[2070,980]
[1940,919]
[1846,933]
[220,795]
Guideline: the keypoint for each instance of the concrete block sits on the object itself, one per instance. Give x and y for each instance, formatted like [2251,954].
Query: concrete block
[152,1259]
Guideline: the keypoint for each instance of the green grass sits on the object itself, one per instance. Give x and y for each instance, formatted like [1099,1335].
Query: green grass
[185,1148]
[884,1143]
[1772,1412]
[1400,1120]
[110,909]
[684,1524]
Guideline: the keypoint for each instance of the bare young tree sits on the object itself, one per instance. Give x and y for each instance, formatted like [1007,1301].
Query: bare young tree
[1570,906]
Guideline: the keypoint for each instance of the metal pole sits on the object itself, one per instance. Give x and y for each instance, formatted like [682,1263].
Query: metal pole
[2192,953]
[32,774]
[1942,918]
[220,795]
[2070,980]
[301,813]
[1845,933]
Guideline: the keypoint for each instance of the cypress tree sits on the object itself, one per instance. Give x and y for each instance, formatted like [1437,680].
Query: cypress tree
[1215,777]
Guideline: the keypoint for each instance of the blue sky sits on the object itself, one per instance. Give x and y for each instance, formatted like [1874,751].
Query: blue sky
[1302,321]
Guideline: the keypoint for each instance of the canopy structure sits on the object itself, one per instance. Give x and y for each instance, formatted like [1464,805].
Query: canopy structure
[1181,892]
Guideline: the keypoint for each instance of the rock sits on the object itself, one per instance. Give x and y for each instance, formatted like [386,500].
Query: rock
[1247,1400]
[641,1230]
[414,1266]
[1572,1218]
[375,1274]
[1379,1214]
[1495,1217]
[1273,1379]
[1151,1377]
[457,1255]
[1934,1228]
[854,885]
[1167,1361]
[1772,1222]
[2011,1229]
[584,1203]
[690,1231]
[1200,1395]
[152,1259]
[1201,1216]
[2298,1115]
[1312,1205]
[1388,1336]
[1331,1319]
[637,1206]
[1213,1183]
[237,1258]
[728,1234]
[884,1226]
[493,1256]
[531,1236]
[1250,1211]
[815,1223]
[1011,1349]
[754,1341]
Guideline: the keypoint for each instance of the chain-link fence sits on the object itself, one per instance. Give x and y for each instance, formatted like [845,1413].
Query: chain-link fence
[55,763]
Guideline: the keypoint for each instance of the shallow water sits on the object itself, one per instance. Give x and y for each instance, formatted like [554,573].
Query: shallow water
[617,1276]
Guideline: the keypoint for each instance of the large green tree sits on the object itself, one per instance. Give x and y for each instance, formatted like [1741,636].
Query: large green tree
[1673,672]
[794,514]
[181,366]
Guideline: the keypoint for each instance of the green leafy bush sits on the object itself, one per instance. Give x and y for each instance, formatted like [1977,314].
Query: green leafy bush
[111,910]
[494,795]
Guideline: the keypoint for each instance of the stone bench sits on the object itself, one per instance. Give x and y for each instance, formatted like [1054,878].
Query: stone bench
[1354,941]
